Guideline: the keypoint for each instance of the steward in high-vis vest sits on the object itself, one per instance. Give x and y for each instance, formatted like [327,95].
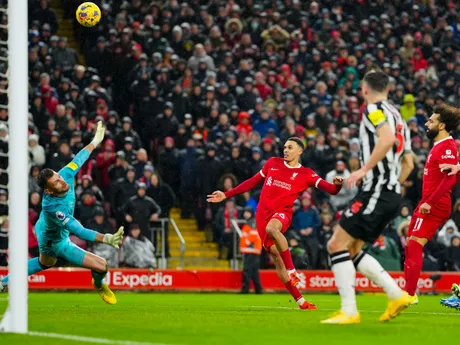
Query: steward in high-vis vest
[250,247]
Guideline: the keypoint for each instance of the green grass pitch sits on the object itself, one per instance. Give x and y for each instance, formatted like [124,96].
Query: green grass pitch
[182,318]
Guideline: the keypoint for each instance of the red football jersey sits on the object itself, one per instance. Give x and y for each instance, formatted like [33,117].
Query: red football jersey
[282,186]
[443,152]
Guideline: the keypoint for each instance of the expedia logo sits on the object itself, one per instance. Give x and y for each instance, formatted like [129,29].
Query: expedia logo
[118,279]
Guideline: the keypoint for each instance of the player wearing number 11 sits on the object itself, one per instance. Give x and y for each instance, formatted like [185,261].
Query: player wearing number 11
[435,206]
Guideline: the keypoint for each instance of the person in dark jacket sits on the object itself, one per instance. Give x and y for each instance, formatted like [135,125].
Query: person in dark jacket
[127,131]
[162,193]
[306,221]
[164,196]
[166,124]
[209,170]
[247,100]
[62,157]
[118,169]
[238,165]
[188,178]
[84,211]
[180,102]
[169,165]
[140,163]
[142,210]
[123,189]
[130,152]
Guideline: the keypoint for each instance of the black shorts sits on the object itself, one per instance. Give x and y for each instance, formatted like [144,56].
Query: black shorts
[369,213]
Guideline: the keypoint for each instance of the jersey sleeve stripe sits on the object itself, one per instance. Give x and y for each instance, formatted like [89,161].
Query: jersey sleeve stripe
[262,173]
[317,182]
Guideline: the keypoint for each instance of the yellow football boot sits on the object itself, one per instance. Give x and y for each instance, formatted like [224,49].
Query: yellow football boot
[395,307]
[106,294]
[341,318]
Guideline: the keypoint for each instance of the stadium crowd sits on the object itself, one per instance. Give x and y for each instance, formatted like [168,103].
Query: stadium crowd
[197,95]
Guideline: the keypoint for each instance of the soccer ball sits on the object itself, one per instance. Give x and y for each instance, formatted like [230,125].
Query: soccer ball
[88,14]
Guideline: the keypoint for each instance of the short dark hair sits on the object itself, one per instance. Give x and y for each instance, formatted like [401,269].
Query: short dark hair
[377,80]
[298,141]
[449,115]
[43,177]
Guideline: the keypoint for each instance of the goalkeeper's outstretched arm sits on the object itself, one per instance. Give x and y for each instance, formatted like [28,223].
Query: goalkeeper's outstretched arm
[75,227]
[71,169]
[98,137]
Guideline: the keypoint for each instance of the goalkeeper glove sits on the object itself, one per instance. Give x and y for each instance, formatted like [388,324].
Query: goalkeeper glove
[116,239]
[99,136]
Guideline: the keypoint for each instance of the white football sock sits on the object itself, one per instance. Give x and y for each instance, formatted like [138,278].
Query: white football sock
[345,278]
[372,269]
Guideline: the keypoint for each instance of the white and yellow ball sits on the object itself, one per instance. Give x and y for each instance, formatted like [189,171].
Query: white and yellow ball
[88,14]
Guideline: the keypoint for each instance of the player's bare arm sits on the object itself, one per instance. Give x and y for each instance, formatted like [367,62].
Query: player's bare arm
[407,165]
[386,141]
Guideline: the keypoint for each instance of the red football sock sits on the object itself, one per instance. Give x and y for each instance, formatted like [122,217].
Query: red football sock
[414,264]
[406,257]
[287,259]
[293,291]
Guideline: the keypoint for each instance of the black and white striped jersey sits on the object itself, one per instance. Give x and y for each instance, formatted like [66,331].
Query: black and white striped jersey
[386,173]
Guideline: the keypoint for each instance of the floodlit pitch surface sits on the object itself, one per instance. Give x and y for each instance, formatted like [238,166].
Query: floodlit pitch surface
[182,318]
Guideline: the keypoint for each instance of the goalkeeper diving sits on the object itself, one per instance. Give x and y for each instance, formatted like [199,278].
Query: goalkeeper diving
[57,222]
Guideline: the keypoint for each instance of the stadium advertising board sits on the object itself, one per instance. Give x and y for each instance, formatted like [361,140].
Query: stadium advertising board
[144,279]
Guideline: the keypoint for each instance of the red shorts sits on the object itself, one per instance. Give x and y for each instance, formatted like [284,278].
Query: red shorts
[424,225]
[262,222]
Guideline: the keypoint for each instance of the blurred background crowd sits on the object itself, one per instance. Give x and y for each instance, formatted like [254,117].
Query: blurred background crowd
[197,95]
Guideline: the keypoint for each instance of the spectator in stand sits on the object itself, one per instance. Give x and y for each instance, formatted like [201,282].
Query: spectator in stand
[137,250]
[447,232]
[299,254]
[198,57]
[223,233]
[386,252]
[33,184]
[343,198]
[37,152]
[85,208]
[452,257]
[123,189]
[306,222]
[104,160]
[164,196]
[100,224]
[306,60]
[140,163]
[141,209]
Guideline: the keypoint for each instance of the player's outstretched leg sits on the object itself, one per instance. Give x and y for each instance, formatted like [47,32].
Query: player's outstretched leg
[96,264]
[454,300]
[33,266]
[98,267]
[274,228]
[284,277]
[371,268]
[413,265]
[345,277]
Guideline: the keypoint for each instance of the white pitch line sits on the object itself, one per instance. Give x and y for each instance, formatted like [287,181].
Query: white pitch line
[89,339]
[364,311]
